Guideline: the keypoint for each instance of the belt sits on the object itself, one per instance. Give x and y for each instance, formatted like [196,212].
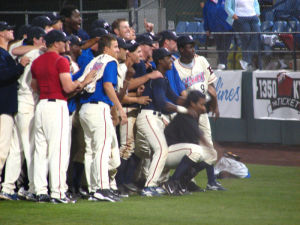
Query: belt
[154,112]
[93,102]
[51,100]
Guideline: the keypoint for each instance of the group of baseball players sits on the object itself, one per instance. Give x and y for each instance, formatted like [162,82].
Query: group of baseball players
[123,108]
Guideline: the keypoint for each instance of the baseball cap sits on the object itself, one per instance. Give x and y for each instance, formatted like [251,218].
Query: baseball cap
[75,40]
[101,23]
[144,39]
[154,37]
[160,54]
[168,35]
[35,32]
[98,32]
[4,26]
[41,21]
[55,36]
[23,29]
[122,43]
[132,45]
[184,40]
[54,17]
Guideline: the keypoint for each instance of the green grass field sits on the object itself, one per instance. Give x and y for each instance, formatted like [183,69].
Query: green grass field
[270,196]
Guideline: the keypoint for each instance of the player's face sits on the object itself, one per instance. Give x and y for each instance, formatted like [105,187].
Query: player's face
[61,46]
[124,30]
[75,20]
[7,35]
[132,33]
[136,55]
[147,51]
[171,45]
[113,50]
[122,55]
[58,25]
[39,42]
[200,106]
[75,50]
[166,62]
[188,51]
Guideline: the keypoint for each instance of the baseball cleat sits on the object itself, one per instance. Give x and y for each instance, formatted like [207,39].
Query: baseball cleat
[215,187]
[106,195]
[42,198]
[131,187]
[65,200]
[150,192]
[92,198]
[6,196]
[192,187]
[160,190]
[171,187]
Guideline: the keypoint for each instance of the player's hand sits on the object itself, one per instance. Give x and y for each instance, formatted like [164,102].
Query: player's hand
[215,111]
[90,77]
[144,100]
[24,61]
[155,74]
[123,117]
[148,26]
[235,17]
[140,90]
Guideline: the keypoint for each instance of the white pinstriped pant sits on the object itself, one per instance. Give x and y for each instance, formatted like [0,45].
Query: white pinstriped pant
[98,130]
[52,147]
[152,129]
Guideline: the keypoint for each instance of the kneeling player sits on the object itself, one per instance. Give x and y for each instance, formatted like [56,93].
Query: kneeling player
[184,137]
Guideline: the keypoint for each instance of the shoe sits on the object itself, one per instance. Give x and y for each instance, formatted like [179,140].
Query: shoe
[30,197]
[121,192]
[22,193]
[92,198]
[221,67]
[65,200]
[6,196]
[171,187]
[116,193]
[83,193]
[131,187]
[244,64]
[149,192]
[106,195]
[193,187]
[160,190]
[182,189]
[42,198]
[215,187]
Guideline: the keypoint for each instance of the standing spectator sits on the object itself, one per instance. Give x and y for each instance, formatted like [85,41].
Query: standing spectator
[243,15]
[71,18]
[215,21]
[9,74]
[51,78]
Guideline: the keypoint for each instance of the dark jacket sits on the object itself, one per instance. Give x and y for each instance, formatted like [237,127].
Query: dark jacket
[9,75]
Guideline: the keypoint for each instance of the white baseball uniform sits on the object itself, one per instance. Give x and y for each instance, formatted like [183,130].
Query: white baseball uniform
[23,137]
[198,75]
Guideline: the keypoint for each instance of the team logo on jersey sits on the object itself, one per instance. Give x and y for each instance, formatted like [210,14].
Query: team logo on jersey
[190,81]
[97,66]
[282,91]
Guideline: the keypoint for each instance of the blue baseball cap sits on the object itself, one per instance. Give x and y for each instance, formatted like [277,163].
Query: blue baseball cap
[4,26]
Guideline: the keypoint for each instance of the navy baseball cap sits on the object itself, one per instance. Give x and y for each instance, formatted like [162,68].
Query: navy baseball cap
[122,43]
[54,17]
[101,23]
[168,35]
[4,26]
[160,54]
[132,45]
[55,36]
[35,32]
[98,32]
[184,40]
[144,39]
[41,21]
[75,40]
[22,30]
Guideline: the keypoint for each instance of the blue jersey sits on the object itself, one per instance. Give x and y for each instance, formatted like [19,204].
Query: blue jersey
[160,92]
[109,75]
[85,58]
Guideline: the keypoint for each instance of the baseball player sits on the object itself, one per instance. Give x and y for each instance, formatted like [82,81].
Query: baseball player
[9,74]
[96,119]
[196,74]
[24,119]
[150,121]
[51,77]
[183,137]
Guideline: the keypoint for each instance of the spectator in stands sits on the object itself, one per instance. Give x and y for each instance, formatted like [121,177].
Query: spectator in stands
[72,22]
[215,21]
[243,15]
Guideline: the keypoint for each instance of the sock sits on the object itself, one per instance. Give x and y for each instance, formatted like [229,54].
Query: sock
[192,172]
[78,169]
[120,177]
[133,162]
[210,171]
[185,164]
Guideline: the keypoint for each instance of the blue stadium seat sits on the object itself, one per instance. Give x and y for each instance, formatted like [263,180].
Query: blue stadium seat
[280,26]
[202,37]
[293,25]
[193,27]
[181,26]
[266,26]
[268,15]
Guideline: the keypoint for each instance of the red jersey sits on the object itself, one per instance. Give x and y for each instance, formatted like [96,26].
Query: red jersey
[46,69]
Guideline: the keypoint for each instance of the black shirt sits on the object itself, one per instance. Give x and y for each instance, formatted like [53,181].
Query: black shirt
[183,129]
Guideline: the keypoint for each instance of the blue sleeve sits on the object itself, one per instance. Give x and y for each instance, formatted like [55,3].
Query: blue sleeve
[171,95]
[153,65]
[178,82]
[85,58]
[8,69]
[78,74]
[110,73]
[159,93]
[229,8]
